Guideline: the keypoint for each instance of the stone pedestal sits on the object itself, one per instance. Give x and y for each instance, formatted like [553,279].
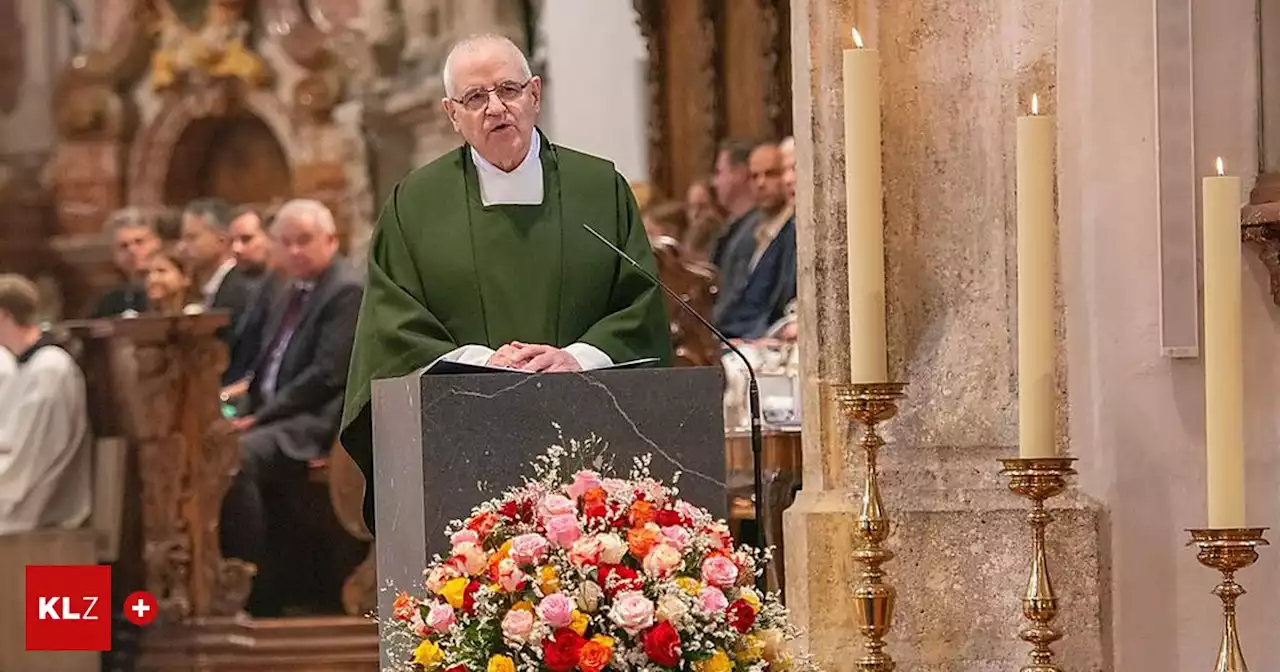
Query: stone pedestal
[950,98]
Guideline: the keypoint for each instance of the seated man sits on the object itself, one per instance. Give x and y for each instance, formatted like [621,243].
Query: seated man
[758,278]
[134,238]
[296,394]
[45,459]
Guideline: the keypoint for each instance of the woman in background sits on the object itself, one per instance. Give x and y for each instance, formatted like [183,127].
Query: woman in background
[168,285]
[705,220]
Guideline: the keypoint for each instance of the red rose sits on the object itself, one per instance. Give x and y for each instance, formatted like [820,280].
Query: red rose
[517,510]
[741,616]
[469,596]
[561,650]
[483,524]
[669,518]
[457,668]
[617,578]
[662,644]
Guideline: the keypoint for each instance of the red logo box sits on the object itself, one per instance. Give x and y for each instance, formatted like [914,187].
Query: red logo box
[68,608]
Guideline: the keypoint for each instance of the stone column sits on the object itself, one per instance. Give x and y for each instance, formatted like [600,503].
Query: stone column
[955,76]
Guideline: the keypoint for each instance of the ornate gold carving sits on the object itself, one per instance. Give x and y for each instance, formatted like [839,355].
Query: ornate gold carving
[218,49]
[776,104]
[303,41]
[696,283]
[359,590]
[649,18]
[315,95]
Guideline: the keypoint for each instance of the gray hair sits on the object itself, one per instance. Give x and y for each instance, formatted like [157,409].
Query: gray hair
[307,209]
[471,44]
[214,212]
[133,217]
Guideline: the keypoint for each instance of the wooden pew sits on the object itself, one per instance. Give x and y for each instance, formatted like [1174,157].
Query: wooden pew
[184,457]
[697,283]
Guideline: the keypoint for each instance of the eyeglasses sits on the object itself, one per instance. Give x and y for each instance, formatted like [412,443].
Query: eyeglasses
[508,92]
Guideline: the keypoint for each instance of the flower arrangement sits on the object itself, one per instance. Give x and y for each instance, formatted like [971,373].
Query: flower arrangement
[586,573]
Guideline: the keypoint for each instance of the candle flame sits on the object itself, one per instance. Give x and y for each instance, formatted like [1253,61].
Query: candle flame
[1221,170]
[857,38]
[1035,104]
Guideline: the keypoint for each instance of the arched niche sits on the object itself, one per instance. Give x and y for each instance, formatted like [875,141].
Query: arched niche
[214,142]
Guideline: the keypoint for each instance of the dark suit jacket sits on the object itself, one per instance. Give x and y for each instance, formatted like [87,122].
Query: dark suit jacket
[763,299]
[128,296]
[248,330]
[306,410]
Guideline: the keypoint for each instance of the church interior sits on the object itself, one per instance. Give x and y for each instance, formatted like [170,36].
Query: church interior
[1006,274]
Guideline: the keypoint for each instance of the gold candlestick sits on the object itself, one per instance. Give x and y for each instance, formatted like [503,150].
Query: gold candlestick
[870,404]
[1038,479]
[1228,550]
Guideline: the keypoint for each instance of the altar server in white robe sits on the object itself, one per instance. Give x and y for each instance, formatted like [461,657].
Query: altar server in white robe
[45,459]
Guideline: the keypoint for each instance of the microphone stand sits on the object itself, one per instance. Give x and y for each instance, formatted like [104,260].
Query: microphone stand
[753,398]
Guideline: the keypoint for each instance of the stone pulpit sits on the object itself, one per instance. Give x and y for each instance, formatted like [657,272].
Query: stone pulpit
[446,443]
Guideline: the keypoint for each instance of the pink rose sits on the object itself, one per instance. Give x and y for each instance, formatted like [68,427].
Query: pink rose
[632,611]
[470,558]
[440,618]
[439,575]
[718,570]
[582,482]
[612,549]
[419,626]
[712,601]
[679,537]
[556,609]
[563,530]
[690,512]
[464,536]
[528,549]
[662,561]
[510,576]
[555,505]
[719,536]
[517,625]
[585,551]
[615,487]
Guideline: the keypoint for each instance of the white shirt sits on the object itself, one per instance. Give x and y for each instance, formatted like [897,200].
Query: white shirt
[210,288]
[522,186]
[46,465]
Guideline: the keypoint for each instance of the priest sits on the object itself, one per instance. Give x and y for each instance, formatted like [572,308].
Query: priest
[481,256]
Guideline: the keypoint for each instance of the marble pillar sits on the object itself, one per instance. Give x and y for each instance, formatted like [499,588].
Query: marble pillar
[955,78]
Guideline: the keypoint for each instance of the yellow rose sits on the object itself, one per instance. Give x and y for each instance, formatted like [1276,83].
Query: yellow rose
[453,590]
[750,597]
[549,581]
[689,585]
[501,664]
[428,655]
[751,649]
[526,605]
[578,624]
[603,640]
[717,663]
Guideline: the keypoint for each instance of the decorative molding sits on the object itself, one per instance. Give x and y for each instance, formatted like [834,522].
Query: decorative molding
[1176,181]
[1260,226]
[649,15]
[713,118]
[775,103]
[13,62]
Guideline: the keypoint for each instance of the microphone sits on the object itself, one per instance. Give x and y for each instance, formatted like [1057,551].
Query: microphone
[753,393]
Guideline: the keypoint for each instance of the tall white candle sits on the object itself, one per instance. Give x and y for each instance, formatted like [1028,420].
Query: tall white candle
[1036,264]
[868,360]
[1223,345]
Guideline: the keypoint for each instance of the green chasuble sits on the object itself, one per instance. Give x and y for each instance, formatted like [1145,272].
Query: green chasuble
[446,271]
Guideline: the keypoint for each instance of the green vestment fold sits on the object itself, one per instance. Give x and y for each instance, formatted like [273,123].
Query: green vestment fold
[447,271]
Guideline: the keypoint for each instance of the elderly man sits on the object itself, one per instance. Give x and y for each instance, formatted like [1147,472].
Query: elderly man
[295,397]
[45,459]
[481,255]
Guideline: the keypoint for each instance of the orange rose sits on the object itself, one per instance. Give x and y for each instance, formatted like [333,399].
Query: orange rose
[595,503]
[641,540]
[502,554]
[641,513]
[595,655]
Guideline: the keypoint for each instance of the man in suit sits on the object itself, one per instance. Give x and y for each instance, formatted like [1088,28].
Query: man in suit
[205,249]
[254,254]
[134,238]
[296,394]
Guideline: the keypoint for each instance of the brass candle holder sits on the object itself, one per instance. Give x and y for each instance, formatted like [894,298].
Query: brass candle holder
[1038,479]
[870,404]
[1228,550]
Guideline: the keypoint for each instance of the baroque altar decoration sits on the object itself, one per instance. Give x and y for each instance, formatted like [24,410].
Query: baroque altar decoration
[585,572]
[216,48]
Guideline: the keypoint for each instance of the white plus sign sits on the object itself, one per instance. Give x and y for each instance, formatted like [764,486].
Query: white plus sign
[141,608]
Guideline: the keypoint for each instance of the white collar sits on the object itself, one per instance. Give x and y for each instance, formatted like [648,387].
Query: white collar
[215,281]
[521,186]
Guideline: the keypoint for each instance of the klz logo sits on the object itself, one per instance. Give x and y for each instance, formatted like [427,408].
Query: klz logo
[67,608]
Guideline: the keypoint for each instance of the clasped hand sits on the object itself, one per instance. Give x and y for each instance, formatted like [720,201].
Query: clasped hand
[534,357]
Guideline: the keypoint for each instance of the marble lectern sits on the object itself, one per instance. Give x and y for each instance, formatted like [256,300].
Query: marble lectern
[445,443]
